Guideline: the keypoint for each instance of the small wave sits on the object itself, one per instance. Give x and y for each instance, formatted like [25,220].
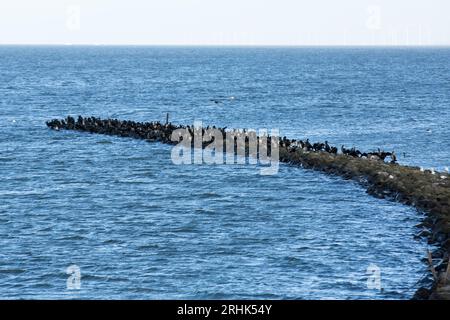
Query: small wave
[204,210]
[112,241]
[208,195]
[104,142]
[21,193]
[76,237]
[130,181]
[42,285]
[139,158]
[192,227]
[147,246]
[12,271]
[94,277]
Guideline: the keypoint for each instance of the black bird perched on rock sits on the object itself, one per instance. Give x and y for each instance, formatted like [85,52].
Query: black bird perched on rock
[308,145]
[160,131]
[327,147]
[393,157]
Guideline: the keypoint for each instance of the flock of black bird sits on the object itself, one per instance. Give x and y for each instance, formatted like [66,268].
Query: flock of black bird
[292,144]
[157,131]
[154,131]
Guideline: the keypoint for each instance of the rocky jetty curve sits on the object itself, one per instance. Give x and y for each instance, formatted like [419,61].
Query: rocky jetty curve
[426,190]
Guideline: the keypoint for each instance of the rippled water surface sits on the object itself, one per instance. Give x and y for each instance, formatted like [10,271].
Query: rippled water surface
[139,226]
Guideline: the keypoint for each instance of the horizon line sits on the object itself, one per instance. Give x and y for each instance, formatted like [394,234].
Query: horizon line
[413,45]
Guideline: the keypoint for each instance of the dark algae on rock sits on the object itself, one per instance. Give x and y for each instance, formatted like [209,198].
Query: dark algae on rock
[426,190]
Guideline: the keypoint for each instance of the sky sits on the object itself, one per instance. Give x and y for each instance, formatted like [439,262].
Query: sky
[225,22]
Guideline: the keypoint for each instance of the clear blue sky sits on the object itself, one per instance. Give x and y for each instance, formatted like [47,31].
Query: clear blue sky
[226,22]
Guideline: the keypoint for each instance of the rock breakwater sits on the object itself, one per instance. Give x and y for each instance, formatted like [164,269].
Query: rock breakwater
[426,190]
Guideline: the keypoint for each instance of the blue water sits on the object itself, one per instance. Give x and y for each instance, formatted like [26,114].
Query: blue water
[140,227]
